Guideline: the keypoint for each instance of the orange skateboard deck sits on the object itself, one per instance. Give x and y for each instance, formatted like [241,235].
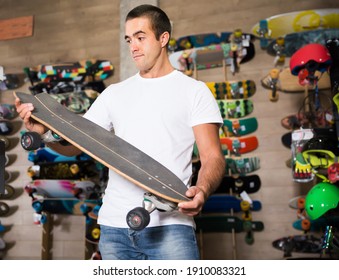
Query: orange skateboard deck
[239,145]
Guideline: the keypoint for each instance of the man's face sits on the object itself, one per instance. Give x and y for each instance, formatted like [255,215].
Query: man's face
[144,47]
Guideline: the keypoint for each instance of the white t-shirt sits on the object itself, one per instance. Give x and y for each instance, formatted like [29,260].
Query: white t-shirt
[156,116]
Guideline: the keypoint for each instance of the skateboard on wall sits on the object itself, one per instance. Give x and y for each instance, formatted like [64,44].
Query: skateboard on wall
[237,108]
[304,243]
[242,165]
[249,184]
[58,188]
[206,39]
[289,83]
[10,80]
[73,71]
[282,24]
[77,102]
[290,43]
[208,57]
[223,203]
[71,170]
[239,145]
[45,154]
[232,89]
[164,189]
[223,223]
[318,225]
[239,127]
[65,206]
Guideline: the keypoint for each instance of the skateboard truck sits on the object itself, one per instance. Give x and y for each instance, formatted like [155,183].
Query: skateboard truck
[139,217]
[33,140]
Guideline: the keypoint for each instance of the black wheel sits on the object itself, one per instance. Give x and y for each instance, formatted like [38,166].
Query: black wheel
[138,218]
[4,209]
[31,141]
[9,192]
[5,140]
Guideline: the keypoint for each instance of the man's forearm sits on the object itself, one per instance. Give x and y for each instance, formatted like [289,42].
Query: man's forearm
[210,175]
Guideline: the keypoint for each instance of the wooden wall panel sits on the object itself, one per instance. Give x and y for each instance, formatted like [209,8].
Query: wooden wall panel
[79,29]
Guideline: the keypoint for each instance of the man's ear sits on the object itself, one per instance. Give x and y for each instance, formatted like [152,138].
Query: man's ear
[164,38]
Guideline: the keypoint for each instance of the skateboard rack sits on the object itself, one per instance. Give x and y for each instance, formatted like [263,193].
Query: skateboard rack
[47,240]
[47,237]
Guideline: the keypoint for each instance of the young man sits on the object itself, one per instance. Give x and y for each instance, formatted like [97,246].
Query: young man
[162,112]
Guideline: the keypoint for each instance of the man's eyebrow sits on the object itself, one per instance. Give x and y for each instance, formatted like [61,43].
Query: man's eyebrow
[135,34]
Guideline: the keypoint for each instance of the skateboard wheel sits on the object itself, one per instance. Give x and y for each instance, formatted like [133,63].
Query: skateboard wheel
[43,219]
[247,216]
[306,224]
[5,140]
[9,192]
[37,206]
[301,203]
[249,238]
[31,141]
[96,233]
[74,168]
[84,208]
[4,209]
[138,218]
[245,205]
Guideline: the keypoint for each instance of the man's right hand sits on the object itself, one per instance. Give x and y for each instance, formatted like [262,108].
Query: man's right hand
[25,111]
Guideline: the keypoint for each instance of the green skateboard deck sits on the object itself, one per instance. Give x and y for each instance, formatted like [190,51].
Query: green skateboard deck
[77,102]
[241,165]
[232,89]
[240,127]
[238,108]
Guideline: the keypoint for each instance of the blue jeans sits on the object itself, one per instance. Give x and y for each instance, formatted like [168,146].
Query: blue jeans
[172,242]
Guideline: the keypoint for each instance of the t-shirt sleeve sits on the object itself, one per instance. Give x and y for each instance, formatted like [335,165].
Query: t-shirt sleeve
[205,108]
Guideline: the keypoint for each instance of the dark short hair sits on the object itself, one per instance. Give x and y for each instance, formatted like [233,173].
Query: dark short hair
[160,22]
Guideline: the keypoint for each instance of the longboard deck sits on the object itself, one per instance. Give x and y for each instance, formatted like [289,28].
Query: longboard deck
[241,89]
[282,24]
[249,184]
[223,223]
[61,189]
[107,148]
[222,203]
[240,127]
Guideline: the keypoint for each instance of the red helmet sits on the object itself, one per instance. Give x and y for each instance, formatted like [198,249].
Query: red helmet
[312,56]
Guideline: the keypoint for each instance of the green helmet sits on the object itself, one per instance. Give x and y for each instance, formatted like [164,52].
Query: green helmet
[320,199]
